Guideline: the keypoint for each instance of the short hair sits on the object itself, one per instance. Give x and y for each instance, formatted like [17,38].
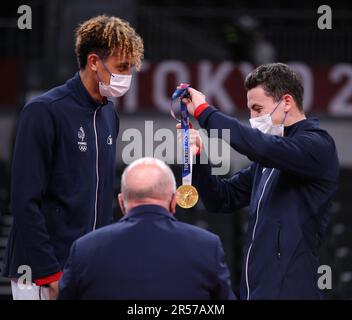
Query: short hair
[164,183]
[277,79]
[103,35]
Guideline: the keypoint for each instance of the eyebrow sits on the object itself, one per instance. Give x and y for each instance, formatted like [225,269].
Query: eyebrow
[256,106]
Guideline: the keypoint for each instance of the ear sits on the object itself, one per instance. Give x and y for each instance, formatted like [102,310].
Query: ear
[173,203]
[288,101]
[121,203]
[92,60]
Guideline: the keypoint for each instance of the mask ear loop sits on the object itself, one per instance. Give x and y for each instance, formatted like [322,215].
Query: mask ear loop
[275,107]
[283,121]
[107,69]
[105,66]
[100,80]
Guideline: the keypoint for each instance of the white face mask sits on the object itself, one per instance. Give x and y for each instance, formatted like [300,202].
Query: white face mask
[119,84]
[265,124]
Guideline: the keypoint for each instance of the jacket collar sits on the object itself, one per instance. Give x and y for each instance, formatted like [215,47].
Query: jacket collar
[148,210]
[309,123]
[81,93]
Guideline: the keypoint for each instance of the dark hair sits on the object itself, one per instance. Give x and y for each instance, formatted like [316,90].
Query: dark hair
[277,79]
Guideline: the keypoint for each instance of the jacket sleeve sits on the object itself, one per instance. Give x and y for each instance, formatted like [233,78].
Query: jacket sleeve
[222,289]
[68,284]
[304,154]
[222,194]
[31,167]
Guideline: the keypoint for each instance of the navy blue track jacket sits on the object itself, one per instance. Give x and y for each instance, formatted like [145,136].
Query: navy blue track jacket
[288,189]
[62,176]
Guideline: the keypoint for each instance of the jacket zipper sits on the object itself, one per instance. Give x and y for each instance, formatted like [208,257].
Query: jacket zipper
[254,229]
[278,243]
[96,169]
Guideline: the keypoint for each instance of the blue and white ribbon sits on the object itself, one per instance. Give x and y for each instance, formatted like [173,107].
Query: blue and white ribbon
[180,93]
[187,155]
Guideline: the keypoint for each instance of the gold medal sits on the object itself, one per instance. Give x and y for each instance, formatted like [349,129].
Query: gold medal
[187,196]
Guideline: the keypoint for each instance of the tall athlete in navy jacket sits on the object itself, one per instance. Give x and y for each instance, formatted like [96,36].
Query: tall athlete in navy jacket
[64,157]
[288,187]
[148,254]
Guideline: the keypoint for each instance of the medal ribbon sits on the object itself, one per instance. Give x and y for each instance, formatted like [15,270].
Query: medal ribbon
[185,125]
[187,156]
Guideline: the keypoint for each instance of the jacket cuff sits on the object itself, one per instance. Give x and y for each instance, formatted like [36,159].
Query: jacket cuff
[49,279]
[205,115]
[200,109]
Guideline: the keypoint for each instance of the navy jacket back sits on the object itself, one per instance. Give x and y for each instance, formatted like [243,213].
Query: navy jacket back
[148,254]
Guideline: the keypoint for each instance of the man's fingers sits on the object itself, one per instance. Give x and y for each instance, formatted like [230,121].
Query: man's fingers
[54,290]
[190,90]
[194,137]
[186,100]
[181,85]
[193,91]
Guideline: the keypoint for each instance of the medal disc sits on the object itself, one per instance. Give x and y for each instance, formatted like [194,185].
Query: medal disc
[187,196]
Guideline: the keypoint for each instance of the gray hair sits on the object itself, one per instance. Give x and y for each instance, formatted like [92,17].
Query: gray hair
[161,184]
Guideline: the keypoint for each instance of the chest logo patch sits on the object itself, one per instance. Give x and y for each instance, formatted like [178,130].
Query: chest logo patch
[82,145]
[109,140]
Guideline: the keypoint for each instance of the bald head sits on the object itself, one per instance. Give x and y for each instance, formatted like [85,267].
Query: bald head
[147,181]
